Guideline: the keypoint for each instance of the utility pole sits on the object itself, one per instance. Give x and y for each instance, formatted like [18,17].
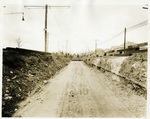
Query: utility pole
[124,40]
[70,50]
[58,46]
[88,51]
[95,47]
[46,28]
[66,46]
[63,47]
[46,11]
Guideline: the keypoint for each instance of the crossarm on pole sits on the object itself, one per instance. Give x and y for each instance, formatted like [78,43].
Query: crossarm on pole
[30,6]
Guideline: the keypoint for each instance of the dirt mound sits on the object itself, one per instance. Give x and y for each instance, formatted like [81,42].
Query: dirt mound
[25,73]
[135,68]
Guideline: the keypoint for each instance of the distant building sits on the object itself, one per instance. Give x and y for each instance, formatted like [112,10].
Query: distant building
[100,52]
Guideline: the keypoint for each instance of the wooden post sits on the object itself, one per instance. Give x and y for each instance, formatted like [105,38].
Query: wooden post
[95,47]
[124,40]
[46,28]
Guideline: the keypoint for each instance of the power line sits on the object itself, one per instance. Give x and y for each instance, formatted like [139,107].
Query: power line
[138,25]
[30,6]
[141,24]
[95,47]
[16,13]
[46,11]
[118,34]
[56,20]
[58,24]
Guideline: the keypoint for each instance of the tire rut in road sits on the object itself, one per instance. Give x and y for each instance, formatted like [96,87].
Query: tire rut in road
[71,105]
[78,101]
[109,105]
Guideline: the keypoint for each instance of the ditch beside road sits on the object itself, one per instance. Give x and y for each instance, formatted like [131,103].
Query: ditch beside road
[81,91]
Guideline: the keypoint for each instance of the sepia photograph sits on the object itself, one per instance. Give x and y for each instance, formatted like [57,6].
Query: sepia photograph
[74,58]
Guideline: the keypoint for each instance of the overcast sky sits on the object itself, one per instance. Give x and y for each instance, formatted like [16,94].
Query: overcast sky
[81,24]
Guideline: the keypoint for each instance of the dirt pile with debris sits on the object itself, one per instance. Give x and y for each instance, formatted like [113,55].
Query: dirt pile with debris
[24,73]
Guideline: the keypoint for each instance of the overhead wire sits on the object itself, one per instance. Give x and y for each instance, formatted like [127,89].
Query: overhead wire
[31,13]
[57,22]
[138,25]
[141,24]
[42,7]
[54,16]
[118,34]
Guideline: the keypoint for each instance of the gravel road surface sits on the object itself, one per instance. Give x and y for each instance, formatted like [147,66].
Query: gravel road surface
[79,91]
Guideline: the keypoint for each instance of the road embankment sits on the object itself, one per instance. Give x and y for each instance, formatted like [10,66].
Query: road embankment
[24,73]
[132,68]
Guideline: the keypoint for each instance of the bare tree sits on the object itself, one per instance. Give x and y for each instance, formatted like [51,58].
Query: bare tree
[19,42]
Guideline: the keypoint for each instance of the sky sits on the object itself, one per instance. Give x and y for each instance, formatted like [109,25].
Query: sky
[73,29]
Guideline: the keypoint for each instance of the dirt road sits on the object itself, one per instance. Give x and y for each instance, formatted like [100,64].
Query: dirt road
[79,91]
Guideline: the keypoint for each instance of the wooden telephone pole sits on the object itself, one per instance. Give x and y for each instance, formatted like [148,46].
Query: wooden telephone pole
[95,47]
[46,11]
[66,46]
[124,40]
[46,28]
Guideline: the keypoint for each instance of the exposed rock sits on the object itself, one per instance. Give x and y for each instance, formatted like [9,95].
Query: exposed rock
[45,81]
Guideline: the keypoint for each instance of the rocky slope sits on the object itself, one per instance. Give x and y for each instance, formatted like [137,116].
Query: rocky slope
[132,68]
